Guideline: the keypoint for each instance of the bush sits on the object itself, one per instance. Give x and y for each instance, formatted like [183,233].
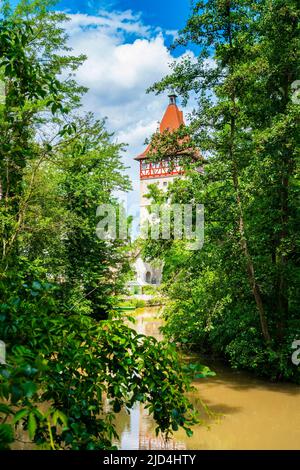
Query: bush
[76,365]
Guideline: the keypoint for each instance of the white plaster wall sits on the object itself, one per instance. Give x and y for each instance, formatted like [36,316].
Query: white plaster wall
[144,202]
[142,267]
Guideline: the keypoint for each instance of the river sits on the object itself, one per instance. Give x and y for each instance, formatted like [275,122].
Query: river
[246,412]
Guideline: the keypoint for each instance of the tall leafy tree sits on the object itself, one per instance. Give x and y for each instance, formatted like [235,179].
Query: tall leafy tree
[246,125]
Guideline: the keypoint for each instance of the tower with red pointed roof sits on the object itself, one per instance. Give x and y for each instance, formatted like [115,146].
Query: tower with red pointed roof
[162,172]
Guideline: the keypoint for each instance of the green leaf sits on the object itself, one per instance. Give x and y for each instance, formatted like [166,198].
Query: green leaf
[38,414]
[5,409]
[6,434]
[36,285]
[20,415]
[32,425]
[59,415]
[29,388]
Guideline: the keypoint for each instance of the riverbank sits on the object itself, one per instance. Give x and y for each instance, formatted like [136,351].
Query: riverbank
[142,300]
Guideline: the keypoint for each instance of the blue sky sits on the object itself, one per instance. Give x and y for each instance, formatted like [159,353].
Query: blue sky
[126,44]
[166,14]
[156,12]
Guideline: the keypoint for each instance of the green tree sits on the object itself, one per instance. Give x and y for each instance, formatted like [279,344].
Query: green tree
[242,299]
[92,171]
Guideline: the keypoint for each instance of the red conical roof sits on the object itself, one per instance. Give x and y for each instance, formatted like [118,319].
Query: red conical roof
[172,120]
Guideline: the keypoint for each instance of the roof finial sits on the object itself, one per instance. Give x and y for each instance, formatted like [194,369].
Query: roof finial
[172,95]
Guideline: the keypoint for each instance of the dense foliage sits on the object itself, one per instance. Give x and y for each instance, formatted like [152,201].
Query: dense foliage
[238,297]
[71,362]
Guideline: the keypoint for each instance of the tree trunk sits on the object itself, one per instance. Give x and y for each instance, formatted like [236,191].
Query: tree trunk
[243,240]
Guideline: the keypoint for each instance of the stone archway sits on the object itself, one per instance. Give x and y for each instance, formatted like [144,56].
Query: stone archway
[148,277]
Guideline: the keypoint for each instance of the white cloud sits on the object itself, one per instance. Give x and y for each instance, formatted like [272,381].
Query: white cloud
[111,22]
[172,32]
[124,57]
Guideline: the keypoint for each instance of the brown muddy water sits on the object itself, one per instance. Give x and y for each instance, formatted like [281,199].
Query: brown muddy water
[247,412]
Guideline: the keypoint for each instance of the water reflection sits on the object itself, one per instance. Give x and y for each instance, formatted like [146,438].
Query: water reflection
[249,413]
[137,431]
